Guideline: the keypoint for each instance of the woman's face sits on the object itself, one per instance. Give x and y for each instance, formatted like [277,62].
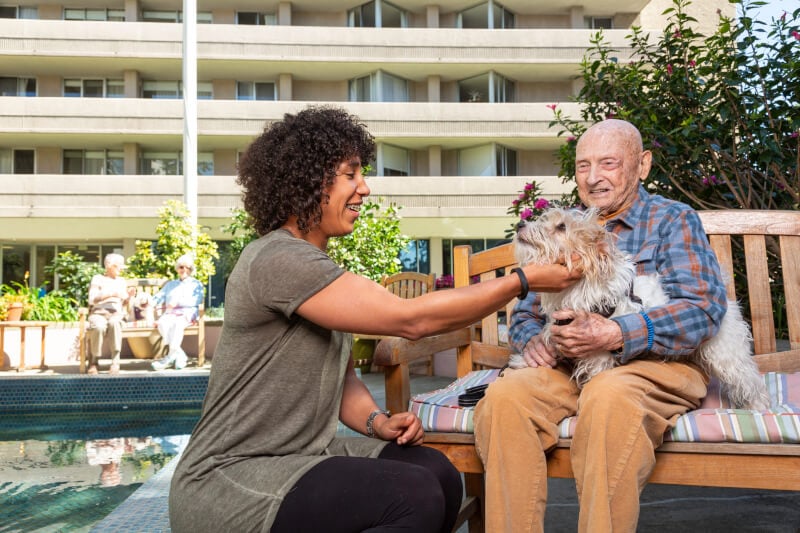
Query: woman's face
[349,188]
[184,271]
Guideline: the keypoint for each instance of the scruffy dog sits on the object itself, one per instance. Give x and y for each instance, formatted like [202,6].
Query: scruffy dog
[605,288]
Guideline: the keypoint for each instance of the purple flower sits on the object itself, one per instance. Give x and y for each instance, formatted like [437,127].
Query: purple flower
[526,213]
[794,134]
[529,186]
[656,144]
[515,203]
[541,203]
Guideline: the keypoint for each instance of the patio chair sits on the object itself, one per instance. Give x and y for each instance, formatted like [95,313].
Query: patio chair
[411,285]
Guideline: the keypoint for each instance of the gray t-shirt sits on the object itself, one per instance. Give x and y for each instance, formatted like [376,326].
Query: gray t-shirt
[272,406]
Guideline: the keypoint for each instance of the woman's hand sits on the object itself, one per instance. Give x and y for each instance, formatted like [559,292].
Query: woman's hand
[403,428]
[551,278]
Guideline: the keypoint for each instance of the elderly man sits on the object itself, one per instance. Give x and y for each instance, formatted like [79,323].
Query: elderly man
[623,412]
[107,297]
[181,299]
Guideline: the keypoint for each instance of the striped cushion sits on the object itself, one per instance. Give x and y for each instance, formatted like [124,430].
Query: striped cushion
[713,421]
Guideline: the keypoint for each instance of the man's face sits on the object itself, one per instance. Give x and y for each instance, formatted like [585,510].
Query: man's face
[608,167]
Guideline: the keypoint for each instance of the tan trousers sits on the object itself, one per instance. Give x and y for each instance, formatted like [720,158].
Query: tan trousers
[100,324]
[624,413]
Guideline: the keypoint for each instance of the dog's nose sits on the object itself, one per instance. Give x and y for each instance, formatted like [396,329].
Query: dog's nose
[520,225]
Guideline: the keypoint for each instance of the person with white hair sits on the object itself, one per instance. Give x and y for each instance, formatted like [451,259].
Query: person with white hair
[180,299]
[107,297]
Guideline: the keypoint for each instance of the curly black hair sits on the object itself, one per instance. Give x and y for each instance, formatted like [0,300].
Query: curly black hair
[286,170]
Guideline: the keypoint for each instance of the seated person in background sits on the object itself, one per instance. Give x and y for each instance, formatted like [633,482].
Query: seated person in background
[622,412]
[107,296]
[181,299]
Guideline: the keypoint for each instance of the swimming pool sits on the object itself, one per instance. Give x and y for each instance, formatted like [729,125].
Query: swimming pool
[73,448]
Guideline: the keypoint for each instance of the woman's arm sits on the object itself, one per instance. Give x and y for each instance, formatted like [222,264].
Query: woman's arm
[356,304]
[357,404]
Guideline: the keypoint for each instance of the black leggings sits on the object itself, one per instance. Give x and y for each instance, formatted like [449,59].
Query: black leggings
[404,489]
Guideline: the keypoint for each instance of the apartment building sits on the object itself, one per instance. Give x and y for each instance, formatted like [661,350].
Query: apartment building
[456,93]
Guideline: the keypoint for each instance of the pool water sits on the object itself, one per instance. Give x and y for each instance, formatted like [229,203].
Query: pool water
[67,472]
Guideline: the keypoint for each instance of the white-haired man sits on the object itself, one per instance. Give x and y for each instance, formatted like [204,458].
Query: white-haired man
[181,299]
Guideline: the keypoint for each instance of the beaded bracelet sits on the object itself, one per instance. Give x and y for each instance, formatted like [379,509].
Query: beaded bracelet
[650,332]
[371,421]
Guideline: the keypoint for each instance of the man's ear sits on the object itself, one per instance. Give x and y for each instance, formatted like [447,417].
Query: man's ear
[646,163]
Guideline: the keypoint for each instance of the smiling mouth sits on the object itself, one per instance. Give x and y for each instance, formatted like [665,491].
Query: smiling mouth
[354,207]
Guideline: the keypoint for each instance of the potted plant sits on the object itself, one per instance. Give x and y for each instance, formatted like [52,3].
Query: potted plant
[17,299]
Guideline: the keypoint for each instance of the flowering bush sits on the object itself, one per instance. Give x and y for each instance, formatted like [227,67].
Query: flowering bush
[445,282]
[528,206]
[720,112]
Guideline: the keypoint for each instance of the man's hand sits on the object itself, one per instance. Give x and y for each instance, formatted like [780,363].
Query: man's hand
[536,353]
[403,428]
[584,335]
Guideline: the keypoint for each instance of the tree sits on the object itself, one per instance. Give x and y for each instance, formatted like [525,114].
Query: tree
[721,113]
[371,250]
[176,237]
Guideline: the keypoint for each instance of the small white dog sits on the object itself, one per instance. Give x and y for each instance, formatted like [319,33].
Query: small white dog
[609,275]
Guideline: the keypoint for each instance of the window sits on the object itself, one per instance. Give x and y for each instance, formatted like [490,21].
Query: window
[174,16]
[599,23]
[171,163]
[93,162]
[392,161]
[21,12]
[94,14]
[255,90]
[255,19]
[379,87]
[377,14]
[487,160]
[488,15]
[16,161]
[490,87]
[416,256]
[75,88]
[160,163]
[173,89]
[17,86]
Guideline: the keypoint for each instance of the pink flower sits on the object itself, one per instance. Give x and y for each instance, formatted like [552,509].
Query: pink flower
[669,69]
[794,135]
[552,107]
[656,144]
[515,203]
[541,203]
[677,34]
[526,213]
[529,186]
[571,138]
[796,35]
[692,63]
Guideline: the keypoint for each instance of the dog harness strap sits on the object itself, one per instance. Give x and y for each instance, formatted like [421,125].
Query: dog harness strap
[523,281]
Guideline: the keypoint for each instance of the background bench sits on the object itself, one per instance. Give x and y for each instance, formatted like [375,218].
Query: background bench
[144,328]
[715,464]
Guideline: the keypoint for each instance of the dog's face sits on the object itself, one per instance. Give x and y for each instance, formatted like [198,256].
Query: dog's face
[567,236]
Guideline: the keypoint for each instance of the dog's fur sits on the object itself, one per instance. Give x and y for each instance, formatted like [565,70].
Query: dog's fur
[609,273]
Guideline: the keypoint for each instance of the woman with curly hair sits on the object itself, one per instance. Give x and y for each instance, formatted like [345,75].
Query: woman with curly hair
[265,455]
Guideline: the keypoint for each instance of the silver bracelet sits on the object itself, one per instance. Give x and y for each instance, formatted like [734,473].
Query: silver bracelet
[371,420]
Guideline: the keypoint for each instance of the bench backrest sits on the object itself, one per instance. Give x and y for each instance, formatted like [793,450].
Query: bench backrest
[408,284]
[763,232]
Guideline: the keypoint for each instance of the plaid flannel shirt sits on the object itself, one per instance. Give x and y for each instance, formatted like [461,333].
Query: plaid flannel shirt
[667,238]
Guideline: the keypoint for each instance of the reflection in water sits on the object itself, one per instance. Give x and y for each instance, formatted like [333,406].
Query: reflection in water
[69,485]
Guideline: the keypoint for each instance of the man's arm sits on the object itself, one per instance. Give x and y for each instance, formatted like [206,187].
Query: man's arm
[689,274]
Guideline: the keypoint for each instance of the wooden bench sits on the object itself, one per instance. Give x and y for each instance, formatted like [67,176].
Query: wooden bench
[143,328]
[758,466]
